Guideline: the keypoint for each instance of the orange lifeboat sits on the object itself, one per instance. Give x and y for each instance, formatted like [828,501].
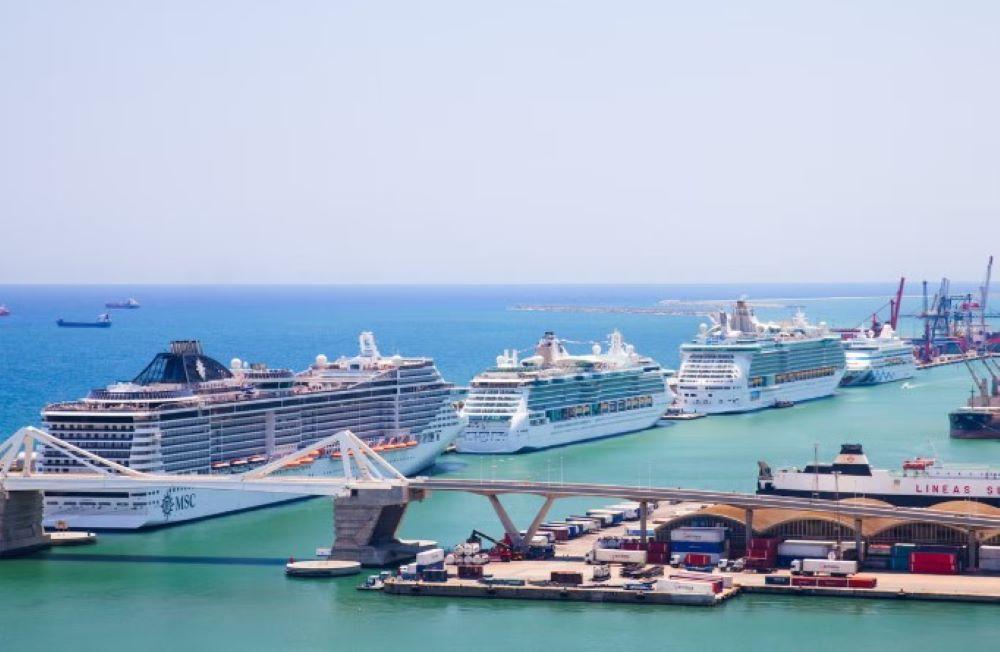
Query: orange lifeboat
[918,464]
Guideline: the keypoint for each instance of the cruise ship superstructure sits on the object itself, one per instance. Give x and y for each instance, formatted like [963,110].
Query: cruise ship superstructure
[187,413]
[554,398]
[741,364]
[875,359]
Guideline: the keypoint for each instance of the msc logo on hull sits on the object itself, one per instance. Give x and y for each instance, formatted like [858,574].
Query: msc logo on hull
[176,503]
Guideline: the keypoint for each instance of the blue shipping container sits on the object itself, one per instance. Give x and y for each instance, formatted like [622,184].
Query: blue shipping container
[698,546]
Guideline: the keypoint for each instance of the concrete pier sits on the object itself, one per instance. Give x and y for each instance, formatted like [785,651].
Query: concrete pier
[365,524]
[21,522]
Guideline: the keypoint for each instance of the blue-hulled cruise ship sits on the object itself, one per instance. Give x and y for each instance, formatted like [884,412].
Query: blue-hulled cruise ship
[874,359]
[188,413]
[554,398]
[741,364]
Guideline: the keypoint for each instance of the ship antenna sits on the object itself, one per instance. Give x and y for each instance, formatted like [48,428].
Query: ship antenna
[815,470]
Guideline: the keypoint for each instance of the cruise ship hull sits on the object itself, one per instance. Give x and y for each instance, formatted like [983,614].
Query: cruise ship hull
[524,438]
[172,505]
[878,376]
[751,400]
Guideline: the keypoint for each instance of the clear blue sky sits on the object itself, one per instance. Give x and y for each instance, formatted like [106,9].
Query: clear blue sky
[335,141]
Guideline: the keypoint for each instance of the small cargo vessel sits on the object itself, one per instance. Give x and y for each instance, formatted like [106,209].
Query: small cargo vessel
[921,482]
[128,304]
[103,321]
[4,311]
[980,417]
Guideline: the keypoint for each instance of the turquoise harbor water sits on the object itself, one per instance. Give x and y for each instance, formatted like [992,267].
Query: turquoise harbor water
[218,584]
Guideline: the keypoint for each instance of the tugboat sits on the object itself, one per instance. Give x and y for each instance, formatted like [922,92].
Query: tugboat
[128,304]
[103,321]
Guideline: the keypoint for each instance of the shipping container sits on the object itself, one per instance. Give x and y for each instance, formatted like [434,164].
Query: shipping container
[566,577]
[629,512]
[698,546]
[698,534]
[778,580]
[610,555]
[585,526]
[832,582]
[862,582]
[991,564]
[434,575]
[938,563]
[700,559]
[989,552]
[803,580]
[725,581]
[683,587]
[840,568]
[637,532]
[658,546]
[661,557]
[598,522]
[430,556]
[616,516]
[470,572]
[879,550]
[806,549]
[606,518]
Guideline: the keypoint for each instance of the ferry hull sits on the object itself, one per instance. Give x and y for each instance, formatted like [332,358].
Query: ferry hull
[747,400]
[899,500]
[525,438]
[172,505]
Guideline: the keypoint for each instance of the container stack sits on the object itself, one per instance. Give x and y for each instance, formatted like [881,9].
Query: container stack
[932,559]
[989,558]
[699,546]
[762,554]
[569,578]
[792,549]
[878,556]
[470,572]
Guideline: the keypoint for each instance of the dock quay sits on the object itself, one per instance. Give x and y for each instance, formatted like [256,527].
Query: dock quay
[953,358]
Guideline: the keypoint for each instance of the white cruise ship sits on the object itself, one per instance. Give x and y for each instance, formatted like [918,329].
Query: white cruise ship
[872,360]
[742,364]
[553,398]
[187,413]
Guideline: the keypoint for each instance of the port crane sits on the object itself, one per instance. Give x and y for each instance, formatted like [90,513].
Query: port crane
[957,322]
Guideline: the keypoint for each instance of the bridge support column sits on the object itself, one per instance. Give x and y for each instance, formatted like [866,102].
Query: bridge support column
[643,516]
[365,524]
[859,545]
[21,522]
[973,551]
[508,525]
[748,526]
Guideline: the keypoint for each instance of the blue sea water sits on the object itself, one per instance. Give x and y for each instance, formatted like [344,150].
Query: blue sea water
[218,584]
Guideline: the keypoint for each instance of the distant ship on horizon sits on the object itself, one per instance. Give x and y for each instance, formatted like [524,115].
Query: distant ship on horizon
[103,321]
[128,304]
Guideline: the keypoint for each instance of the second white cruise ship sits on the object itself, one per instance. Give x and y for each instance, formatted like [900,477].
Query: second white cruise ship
[742,364]
[187,413]
[875,359]
[554,398]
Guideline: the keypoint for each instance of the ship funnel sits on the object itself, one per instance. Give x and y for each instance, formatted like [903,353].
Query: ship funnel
[186,347]
[366,344]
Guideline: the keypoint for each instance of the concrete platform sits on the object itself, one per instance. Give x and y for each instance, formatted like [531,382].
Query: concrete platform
[322,568]
[71,538]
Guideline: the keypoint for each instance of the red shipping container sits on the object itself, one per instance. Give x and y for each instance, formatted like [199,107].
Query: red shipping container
[561,535]
[658,546]
[862,582]
[832,582]
[698,559]
[657,558]
[800,580]
[470,572]
[938,563]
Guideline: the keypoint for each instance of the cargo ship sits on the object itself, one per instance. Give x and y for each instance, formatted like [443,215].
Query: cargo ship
[4,311]
[554,398]
[980,417]
[188,413]
[128,304]
[920,482]
[742,364]
[103,321]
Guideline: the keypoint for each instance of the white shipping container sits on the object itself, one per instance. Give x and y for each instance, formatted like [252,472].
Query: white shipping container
[989,552]
[683,587]
[539,541]
[619,556]
[605,517]
[428,557]
[588,526]
[817,550]
[631,511]
[699,534]
[831,566]
[990,564]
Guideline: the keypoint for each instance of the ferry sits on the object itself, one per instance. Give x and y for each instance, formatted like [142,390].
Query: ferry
[741,364]
[919,482]
[128,304]
[875,359]
[103,321]
[188,413]
[554,398]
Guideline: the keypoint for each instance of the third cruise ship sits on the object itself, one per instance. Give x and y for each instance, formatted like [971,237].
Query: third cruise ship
[742,364]
[554,398]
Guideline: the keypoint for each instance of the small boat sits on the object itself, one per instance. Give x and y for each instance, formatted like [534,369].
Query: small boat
[784,404]
[372,583]
[103,321]
[128,304]
[257,459]
[4,311]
